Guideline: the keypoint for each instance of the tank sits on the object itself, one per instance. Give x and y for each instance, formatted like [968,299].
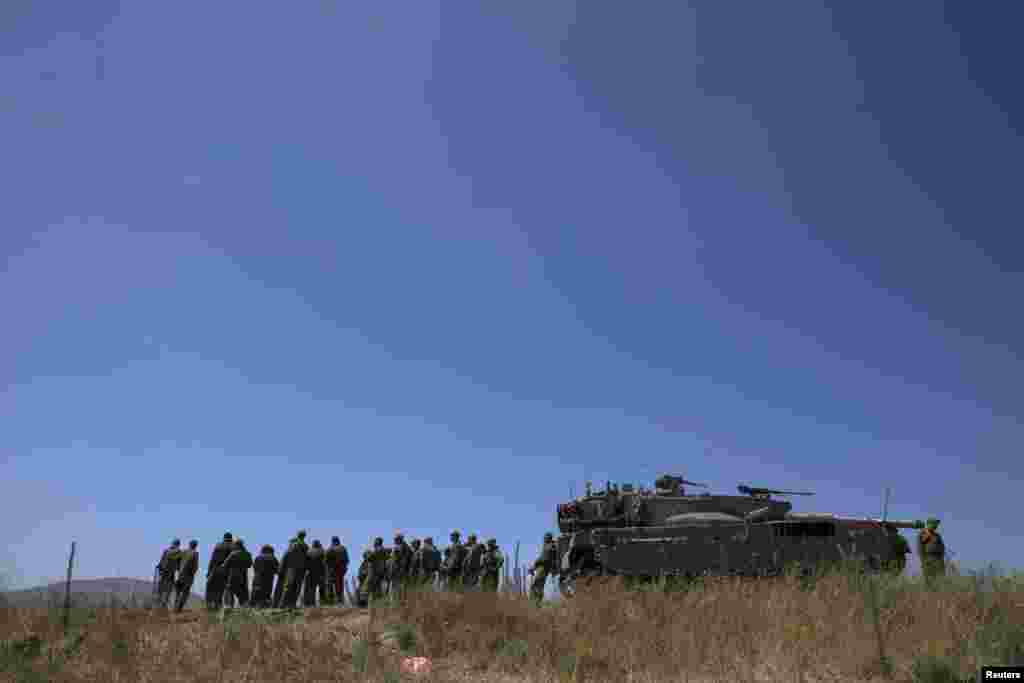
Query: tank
[666,531]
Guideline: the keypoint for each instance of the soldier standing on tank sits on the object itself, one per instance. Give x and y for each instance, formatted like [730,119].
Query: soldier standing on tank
[399,566]
[293,564]
[264,568]
[415,569]
[237,567]
[932,551]
[187,571]
[898,550]
[491,565]
[166,569]
[429,562]
[336,559]
[377,570]
[544,566]
[279,586]
[455,556]
[216,579]
[471,565]
[316,576]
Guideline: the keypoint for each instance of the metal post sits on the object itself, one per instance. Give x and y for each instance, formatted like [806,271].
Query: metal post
[67,589]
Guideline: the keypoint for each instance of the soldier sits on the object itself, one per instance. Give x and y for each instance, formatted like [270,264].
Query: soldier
[316,576]
[167,567]
[399,566]
[279,586]
[187,571]
[491,565]
[336,559]
[471,565]
[429,561]
[264,568]
[363,577]
[415,572]
[932,551]
[237,567]
[544,566]
[377,571]
[216,579]
[898,550]
[454,557]
[293,564]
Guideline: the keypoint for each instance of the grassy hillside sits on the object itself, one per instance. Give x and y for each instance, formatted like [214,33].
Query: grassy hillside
[88,593]
[834,628]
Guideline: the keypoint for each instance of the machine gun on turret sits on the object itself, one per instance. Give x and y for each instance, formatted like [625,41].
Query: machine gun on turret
[668,484]
[759,493]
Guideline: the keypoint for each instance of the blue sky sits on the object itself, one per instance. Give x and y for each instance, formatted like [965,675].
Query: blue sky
[420,266]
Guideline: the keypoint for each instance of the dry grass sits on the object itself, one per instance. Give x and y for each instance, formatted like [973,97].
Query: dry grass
[830,629]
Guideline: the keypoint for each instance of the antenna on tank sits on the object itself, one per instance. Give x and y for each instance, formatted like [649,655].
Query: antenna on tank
[885,505]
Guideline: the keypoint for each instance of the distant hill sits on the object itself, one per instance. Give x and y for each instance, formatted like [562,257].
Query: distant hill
[89,593]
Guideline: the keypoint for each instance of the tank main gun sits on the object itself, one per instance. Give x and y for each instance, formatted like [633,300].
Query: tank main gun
[765,494]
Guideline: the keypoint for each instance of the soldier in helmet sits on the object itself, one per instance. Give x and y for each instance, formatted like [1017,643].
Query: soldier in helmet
[932,551]
[898,550]
[454,558]
[278,600]
[415,570]
[377,571]
[336,559]
[363,577]
[471,565]
[264,569]
[544,566]
[399,566]
[237,567]
[186,574]
[316,575]
[167,567]
[293,564]
[492,563]
[216,579]
[429,562]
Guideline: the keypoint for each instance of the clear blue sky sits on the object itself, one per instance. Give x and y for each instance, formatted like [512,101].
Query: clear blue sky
[418,267]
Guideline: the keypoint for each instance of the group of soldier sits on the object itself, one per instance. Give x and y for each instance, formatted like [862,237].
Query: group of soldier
[318,573]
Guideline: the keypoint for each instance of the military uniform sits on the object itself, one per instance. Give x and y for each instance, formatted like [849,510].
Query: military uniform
[898,551]
[377,571]
[264,568]
[491,564]
[279,586]
[336,559]
[293,564]
[316,576]
[415,570]
[237,567]
[454,558]
[471,565]
[187,570]
[544,566]
[399,566]
[363,579]
[429,562]
[216,578]
[932,551]
[167,568]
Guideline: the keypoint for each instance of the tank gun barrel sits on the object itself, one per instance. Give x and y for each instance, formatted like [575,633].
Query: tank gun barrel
[897,523]
[761,492]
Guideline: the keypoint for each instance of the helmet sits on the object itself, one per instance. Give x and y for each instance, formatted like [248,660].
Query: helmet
[267,550]
[176,542]
[492,543]
[549,536]
[429,539]
[316,543]
[399,537]
[193,543]
[471,538]
[228,536]
[301,534]
[455,534]
[378,541]
[933,523]
[335,540]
